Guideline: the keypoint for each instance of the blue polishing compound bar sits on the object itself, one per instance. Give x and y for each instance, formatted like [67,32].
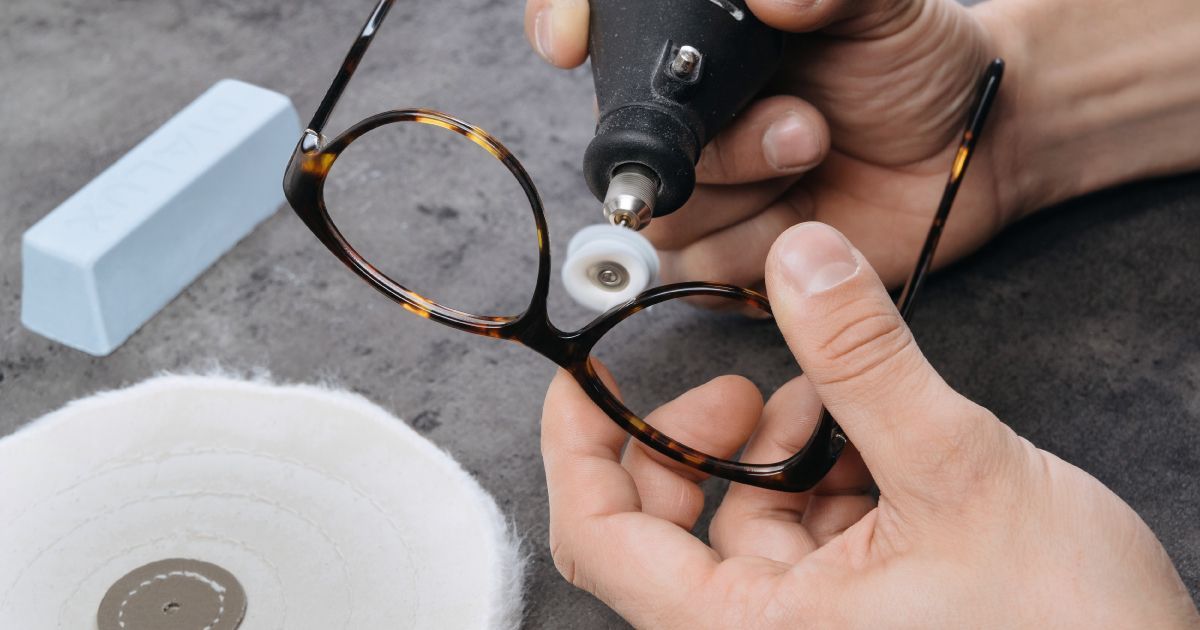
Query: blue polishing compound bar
[116,252]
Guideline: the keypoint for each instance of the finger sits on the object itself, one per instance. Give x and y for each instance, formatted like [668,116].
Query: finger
[856,18]
[916,434]
[581,447]
[598,536]
[775,136]
[713,208]
[558,30]
[841,499]
[715,418]
[756,522]
[735,255]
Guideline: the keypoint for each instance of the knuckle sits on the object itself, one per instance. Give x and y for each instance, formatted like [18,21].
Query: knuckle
[664,235]
[951,446]
[794,435]
[697,266]
[704,263]
[714,161]
[867,341]
[962,452]
[564,560]
[719,528]
[799,202]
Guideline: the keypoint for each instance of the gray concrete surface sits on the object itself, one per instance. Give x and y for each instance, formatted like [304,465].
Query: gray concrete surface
[1078,327]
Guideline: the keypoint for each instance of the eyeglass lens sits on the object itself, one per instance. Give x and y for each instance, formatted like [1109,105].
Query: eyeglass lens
[437,214]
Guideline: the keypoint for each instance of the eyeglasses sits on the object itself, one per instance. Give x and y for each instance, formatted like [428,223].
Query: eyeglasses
[304,184]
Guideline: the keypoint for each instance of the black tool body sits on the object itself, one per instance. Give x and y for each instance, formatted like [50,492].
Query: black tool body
[653,114]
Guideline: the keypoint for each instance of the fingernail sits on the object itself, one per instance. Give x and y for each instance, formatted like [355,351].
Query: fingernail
[543,32]
[816,258]
[790,144]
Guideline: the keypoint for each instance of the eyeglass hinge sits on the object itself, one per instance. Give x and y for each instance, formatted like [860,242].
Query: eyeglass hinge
[312,141]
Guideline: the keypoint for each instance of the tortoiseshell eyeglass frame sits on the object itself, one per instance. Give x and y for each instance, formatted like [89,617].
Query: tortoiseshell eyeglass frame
[304,186]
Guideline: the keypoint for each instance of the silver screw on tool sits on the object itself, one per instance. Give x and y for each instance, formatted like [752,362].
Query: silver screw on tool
[685,62]
[610,276]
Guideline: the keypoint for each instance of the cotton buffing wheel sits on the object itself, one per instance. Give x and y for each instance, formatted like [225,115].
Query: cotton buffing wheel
[608,265]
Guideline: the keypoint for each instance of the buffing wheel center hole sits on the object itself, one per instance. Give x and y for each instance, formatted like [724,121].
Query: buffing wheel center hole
[609,276]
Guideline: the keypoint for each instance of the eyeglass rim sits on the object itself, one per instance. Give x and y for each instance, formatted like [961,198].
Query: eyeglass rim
[570,350]
[304,188]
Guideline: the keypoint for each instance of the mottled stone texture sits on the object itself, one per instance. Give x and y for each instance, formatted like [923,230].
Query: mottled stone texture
[1078,327]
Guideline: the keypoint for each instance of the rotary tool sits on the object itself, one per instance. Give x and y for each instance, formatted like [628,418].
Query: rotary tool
[669,75]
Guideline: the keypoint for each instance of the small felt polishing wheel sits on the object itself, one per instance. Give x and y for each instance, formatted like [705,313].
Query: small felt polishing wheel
[608,265]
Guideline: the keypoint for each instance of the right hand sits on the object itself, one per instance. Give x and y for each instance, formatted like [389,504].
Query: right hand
[974,526]
[875,93]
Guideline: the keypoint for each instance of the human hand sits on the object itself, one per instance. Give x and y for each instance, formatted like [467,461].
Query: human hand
[974,526]
[877,99]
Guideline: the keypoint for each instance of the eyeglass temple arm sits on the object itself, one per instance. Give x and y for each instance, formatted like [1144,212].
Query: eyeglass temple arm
[829,435]
[986,95]
[325,110]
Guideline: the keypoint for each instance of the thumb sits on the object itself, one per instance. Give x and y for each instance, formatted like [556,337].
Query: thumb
[916,434]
